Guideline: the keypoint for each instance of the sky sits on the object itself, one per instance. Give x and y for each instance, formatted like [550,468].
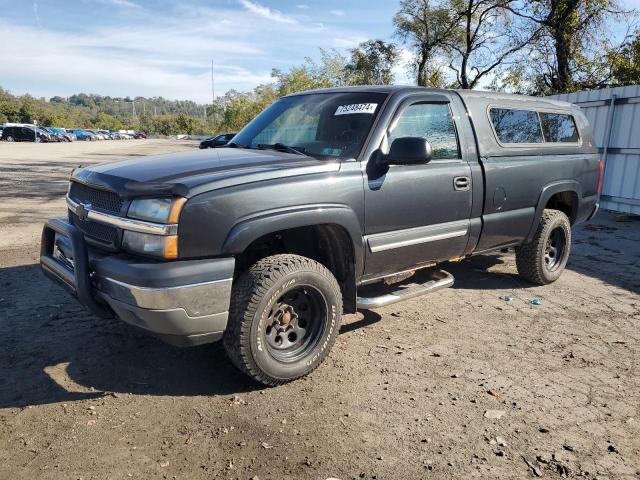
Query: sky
[165,47]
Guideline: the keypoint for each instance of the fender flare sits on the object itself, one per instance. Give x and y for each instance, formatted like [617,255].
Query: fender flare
[249,229]
[547,192]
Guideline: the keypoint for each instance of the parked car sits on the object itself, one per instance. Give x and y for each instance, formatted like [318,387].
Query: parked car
[97,134]
[56,135]
[269,245]
[139,135]
[84,135]
[25,133]
[217,141]
[105,134]
[70,135]
[62,133]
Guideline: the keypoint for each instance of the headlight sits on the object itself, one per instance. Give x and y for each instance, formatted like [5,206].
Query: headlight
[164,246]
[157,210]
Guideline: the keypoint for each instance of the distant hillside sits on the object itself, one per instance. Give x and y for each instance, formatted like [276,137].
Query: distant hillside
[154,115]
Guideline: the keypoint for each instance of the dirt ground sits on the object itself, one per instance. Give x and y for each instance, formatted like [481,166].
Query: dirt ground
[410,391]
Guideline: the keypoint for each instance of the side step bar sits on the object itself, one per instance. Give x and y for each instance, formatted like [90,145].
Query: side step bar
[440,280]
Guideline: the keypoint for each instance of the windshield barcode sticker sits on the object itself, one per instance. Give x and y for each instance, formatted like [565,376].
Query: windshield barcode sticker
[356,108]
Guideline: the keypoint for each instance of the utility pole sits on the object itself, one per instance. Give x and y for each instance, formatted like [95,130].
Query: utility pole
[213,87]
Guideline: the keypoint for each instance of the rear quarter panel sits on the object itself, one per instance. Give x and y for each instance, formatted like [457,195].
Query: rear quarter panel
[518,178]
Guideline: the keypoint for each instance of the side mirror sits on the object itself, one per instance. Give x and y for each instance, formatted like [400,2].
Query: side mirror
[409,151]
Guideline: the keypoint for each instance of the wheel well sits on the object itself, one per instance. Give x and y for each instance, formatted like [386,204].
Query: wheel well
[328,244]
[566,202]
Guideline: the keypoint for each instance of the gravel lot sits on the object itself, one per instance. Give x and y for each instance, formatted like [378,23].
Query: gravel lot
[409,391]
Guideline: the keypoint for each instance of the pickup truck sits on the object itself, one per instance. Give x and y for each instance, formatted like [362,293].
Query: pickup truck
[265,243]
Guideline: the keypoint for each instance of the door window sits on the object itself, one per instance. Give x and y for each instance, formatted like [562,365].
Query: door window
[431,121]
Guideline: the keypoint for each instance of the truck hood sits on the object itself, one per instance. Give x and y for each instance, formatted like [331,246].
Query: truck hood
[190,173]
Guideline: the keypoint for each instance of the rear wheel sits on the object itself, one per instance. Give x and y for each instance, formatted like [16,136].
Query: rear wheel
[10,138]
[544,259]
[284,318]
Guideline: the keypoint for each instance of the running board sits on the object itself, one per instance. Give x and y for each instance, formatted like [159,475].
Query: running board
[440,280]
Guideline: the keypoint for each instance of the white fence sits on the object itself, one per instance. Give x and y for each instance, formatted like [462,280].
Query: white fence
[614,114]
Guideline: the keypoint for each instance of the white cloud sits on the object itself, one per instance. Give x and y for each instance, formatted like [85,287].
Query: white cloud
[337,13]
[120,3]
[302,6]
[267,12]
[165,53]
[35,14]
[164,62]
[348,41]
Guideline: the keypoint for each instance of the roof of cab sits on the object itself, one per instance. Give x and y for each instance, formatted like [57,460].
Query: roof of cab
[467,95]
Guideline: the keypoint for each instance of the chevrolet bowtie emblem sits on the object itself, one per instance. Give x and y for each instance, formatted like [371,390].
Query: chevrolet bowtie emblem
[82,210]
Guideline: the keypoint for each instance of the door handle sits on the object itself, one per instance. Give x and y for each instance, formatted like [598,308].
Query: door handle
[461,183]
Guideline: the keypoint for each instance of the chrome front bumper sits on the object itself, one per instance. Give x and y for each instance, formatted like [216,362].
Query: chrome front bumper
[184,315]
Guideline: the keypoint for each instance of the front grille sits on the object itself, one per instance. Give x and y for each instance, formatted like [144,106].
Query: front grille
[100,199]
[95,230]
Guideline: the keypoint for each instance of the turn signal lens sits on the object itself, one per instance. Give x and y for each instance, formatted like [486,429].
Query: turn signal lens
[155,245]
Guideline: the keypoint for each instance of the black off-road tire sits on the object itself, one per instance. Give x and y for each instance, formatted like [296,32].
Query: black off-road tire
[254,296]
[530,257]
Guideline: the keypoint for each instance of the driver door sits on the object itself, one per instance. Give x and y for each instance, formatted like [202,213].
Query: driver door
[418,214]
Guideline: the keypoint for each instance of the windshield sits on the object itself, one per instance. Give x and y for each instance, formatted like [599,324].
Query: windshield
[319,125]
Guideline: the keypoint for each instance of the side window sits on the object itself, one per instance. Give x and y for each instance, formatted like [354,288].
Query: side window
[431,121]
[559,127]
[516,126]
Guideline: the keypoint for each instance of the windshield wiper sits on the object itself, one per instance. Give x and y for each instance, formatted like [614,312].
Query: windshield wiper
[281,147]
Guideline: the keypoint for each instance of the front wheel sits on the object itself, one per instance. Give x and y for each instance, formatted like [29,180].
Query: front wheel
[284,318]
[10,139]
[543,260]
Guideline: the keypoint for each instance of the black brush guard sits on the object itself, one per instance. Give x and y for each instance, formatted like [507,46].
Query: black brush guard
[78,280]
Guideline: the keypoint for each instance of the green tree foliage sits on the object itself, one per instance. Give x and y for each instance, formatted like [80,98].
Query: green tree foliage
[371,63]
[425,26]
[626,62]
[573,47]
[472,38]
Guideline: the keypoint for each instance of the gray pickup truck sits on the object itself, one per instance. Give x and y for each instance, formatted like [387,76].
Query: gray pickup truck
[266,242]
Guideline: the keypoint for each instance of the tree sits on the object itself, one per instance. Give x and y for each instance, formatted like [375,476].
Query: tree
[371,63]
[626,63]
[105,121]
[425,26]
[483,40]
[473,38]
[570,51]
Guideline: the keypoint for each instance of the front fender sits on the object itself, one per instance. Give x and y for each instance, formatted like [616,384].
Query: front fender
[250,228]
